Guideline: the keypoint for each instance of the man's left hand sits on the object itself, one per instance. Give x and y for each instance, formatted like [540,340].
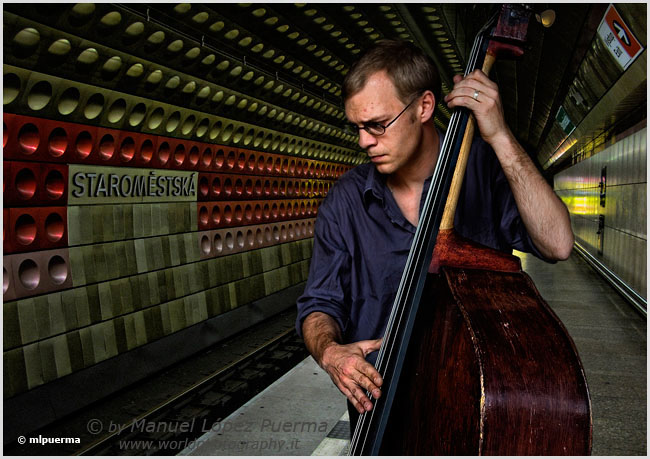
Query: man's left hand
[486,106]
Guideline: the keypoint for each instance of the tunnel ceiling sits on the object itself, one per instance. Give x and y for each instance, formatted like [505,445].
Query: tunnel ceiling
[309,47]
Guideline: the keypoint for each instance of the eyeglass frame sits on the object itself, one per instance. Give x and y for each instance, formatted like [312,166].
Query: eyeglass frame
[356,128]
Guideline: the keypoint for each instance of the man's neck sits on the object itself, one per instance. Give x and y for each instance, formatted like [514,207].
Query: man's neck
[411,177]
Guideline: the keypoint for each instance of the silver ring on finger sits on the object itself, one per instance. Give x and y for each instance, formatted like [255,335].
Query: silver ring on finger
[475,96]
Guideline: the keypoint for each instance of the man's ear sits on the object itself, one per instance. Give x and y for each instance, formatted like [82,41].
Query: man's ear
[428,105]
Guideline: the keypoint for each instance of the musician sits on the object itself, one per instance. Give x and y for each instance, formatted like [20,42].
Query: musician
[366,224]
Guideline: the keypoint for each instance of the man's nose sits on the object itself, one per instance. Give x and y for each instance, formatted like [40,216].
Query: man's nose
[366,140]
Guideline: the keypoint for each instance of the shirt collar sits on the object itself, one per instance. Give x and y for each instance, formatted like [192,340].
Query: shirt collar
[376,182]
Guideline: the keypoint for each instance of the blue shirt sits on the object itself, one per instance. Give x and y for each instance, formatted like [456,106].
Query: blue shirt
[362,241]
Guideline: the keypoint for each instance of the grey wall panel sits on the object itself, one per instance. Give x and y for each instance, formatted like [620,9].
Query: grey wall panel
[625,210]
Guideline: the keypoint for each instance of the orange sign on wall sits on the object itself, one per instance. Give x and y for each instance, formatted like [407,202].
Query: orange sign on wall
[618,38]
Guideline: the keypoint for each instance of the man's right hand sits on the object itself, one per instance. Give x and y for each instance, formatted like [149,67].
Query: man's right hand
[352,374]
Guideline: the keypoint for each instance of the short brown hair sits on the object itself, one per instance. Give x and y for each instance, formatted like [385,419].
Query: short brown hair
[409,68]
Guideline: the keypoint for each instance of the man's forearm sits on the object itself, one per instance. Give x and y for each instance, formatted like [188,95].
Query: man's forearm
[320,331]
[544,214]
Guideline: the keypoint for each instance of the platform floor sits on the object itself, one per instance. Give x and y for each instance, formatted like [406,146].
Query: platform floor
[304,414]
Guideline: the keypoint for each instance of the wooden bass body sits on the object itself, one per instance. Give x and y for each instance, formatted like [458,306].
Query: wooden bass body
[490,370]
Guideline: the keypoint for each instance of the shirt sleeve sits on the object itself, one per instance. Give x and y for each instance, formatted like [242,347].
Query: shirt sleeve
[329,271]
[487,211]
[512,229]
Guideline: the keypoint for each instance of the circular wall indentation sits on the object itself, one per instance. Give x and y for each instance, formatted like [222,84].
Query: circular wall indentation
[194,156]
[202,128]
[28,138]
[227,133]
[216,186]
[135,71]
[111,66]
[134,29]
[203,186]
[27,38]
[156,38]
[230,161]
[215,130]
[238,135]
[156,118]
[239,214]
[189,88]
[26,183]
[69,101]
[164,152]
[54,227]
[146,151]
[39,95]
[155,77]
[29,274]
[57,269]
[205,244]
[88,56]
[5,280]
[137,114]
[188,125]
[230,242]
[107,147]
[111,19]
[219,159]
[179,154]
[94,106]
[127,149]
[54,184]
[116,111]
[227,187]
[203,93]
[84,144]
[218,243]
[11,88]
[173,121]
[248,187]
[83,9]
[25,229]
[61,47]
[175,46]
[203,215]
[206,157]
[173,82]
[216,215]
[227,214]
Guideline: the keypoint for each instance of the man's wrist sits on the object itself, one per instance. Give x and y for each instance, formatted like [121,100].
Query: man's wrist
[326,352]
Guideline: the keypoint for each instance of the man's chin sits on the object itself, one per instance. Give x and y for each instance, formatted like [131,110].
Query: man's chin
[384,168]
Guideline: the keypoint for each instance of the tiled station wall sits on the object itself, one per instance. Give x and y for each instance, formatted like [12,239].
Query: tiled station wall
[624,243]
[140,198]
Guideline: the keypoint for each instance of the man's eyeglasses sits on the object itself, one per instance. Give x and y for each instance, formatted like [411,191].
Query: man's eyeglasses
[372,127]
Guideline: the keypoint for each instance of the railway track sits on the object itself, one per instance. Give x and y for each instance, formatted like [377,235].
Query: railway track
[185,417]
[180,401]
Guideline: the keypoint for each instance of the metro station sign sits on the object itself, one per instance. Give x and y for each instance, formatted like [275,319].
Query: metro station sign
[618,38]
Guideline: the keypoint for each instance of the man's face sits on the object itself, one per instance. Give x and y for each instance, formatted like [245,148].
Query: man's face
[378,102]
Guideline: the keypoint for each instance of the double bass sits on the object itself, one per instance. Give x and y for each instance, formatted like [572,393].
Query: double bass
[474,361]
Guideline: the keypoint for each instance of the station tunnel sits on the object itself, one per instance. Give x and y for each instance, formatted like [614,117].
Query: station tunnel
[164,165]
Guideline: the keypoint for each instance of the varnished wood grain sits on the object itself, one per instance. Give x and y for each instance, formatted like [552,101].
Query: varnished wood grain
[492,372]
[455,251]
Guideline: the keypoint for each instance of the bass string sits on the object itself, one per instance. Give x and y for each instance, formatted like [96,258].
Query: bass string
[429,208]
[416,253]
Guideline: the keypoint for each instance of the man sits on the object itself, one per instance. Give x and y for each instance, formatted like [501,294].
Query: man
[366,224]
